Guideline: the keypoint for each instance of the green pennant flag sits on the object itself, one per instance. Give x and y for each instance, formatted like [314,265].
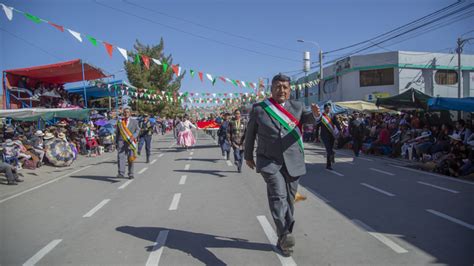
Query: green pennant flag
[137,59]
[235,82]
[35,19]
[214,81]
[192,73]
[165,67]
[92,40]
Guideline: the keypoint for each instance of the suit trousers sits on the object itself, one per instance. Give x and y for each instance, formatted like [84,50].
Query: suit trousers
[123,151]
[281,192]
[329,146]
[146,139]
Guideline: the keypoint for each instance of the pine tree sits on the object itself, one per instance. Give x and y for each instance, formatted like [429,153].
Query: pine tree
[155,80]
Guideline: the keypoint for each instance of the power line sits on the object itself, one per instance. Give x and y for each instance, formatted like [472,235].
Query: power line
[194,34]
[396,29]
[211,28]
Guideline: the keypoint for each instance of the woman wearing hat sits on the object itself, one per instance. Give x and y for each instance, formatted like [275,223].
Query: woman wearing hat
[10,152]
[38,145]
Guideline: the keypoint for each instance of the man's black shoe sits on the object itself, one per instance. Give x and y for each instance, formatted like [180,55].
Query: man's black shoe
[329,167]
[147,160]
[12,183]
[131,177]
[120,176]
[19,180]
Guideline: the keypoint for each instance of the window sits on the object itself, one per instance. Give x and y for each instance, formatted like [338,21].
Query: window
[446,77]
[376,77]
[329,86]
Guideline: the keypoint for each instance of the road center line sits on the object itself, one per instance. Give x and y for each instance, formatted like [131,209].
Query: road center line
[378,189]
[380,237]
[175,202]
[40,254]
[158,246]
[161,155]
[154,161]
[182,181]
[143,170]
[124,185]
[272,238]
[381,171]
[191,153]
[44,184]
[190,158]
[365,159]
[452,219]
[229,163]
[96,208]
[186,167]
[334,172]
[431,174]
[438,187]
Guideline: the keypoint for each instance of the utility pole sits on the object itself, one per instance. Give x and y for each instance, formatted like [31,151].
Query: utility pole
[459,49]
[321,75]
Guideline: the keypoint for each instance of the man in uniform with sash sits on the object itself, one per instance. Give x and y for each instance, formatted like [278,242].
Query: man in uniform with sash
[127,134]
[280,153]
[329,130]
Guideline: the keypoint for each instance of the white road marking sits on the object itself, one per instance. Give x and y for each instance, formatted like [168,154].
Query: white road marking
[143,170]
[229,163]
[191,153]
[190,158]
[272,238]
[186,167]
[381,171]
[183,179]
[154,161]
[365,159]
[161,155]
[378,189]
[438,187]
[44,184]
[452,219]
[158,246]
[334,172]
[96,208]
[124,185]
[380,237]
[431,174]
[317,194]
[175,202]
[40,254]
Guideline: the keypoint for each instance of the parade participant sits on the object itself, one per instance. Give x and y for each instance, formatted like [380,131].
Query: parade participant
[236,137]
[146,133]
[222,135]
[356,129]
[329,131]
[185,135]
[280,153]
[126,138]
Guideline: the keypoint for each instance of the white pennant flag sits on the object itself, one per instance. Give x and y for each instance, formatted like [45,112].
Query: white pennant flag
[228,80]
[209,77]
[76,35]
[8,11]
[243,84]
[158,62]
[123,52]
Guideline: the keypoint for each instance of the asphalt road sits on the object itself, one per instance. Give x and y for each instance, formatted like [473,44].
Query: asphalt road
[193,208]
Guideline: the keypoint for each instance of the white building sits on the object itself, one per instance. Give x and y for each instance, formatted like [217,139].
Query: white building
[365,77]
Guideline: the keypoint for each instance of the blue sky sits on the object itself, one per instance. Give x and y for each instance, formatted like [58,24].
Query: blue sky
[332,24]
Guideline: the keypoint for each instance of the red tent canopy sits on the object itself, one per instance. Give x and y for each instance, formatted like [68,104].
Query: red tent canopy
[59,73]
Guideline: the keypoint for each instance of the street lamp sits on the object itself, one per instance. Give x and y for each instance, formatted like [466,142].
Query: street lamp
[321,76]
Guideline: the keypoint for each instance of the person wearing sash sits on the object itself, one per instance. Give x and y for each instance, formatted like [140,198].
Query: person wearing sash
[276,124]
[329,129]
[236,137]
[126,138]
[146,133]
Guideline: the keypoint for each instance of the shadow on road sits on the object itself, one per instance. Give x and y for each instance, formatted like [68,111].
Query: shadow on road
[98,178]
[194,244]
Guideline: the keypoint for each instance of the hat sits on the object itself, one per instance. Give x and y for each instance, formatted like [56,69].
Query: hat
[48,135]
[455,137]
[18,142]
[62,136]
[9,130]
[62,124]
[9,142]
[39,133]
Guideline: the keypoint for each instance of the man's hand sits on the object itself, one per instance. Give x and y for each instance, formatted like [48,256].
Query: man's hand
[316,110]
[250,164]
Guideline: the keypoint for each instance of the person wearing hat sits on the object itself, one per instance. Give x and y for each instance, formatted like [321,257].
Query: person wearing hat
[10,173]
[126,139]
[11,152]
[330,129]
[38,145]
[146,133]
[274,123]
[451,163]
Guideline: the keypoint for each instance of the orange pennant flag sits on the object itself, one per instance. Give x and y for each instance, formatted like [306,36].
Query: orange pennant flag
[109,48]
[146,61]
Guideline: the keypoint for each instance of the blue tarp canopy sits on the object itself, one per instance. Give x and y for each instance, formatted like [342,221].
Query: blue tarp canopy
[110,89]
[453,104]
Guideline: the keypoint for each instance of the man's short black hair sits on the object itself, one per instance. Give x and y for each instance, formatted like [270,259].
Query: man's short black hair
[281,77]
[327,105]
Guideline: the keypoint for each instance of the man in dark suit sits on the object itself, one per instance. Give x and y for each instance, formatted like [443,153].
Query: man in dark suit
[126,143]
[356,129]
[236,137]
[146,133]
[330,128]
[280,153]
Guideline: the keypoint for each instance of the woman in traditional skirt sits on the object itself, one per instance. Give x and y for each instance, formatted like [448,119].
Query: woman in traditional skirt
[185,135]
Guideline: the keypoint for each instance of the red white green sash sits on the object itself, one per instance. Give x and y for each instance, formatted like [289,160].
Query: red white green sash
[285,118]
[129,139]
[326,120]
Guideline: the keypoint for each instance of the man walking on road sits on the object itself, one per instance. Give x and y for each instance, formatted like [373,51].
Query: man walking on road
[146,133]
[236,136]
[329,130]
[280,153]
[127,133]
[356,129]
